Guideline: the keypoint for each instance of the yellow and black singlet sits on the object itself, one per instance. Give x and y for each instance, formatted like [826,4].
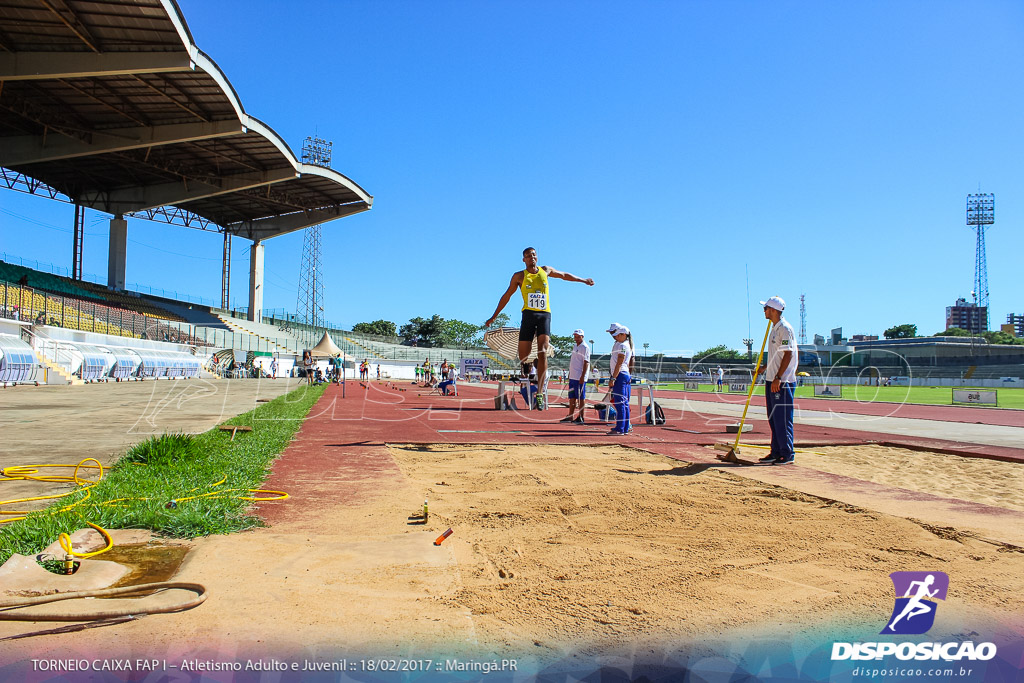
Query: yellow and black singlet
[535,291]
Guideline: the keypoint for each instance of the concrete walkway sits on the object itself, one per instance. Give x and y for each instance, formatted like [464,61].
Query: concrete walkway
[64,424]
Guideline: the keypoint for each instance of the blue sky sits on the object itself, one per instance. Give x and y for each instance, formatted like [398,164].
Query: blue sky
[658,147]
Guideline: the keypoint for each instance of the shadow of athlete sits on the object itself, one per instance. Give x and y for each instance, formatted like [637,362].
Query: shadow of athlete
[533,282]
[915,606]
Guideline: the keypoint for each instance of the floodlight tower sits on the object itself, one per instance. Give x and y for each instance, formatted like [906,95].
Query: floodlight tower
[981,213]
[803,321]
[309,307]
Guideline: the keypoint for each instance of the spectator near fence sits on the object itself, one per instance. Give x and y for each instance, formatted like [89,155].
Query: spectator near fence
[620,379]
[307,365]
[579,368]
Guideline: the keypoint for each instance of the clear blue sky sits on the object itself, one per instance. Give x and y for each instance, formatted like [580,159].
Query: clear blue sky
[657,147]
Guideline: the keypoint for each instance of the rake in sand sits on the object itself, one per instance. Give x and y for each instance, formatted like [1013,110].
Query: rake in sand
[732,451]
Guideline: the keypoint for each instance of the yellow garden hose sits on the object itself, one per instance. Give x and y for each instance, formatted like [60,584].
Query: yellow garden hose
[65,543]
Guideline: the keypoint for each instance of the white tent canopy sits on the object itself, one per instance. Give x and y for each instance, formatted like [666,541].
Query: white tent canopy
[326,347]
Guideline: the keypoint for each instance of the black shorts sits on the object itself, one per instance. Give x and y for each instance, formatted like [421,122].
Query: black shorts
[535,323]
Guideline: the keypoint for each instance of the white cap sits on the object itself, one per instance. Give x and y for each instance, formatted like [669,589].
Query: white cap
[616,328]
[578,331]
[775,302]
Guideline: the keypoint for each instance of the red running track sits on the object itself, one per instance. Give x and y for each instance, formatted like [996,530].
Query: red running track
[1003,417]
[373,415]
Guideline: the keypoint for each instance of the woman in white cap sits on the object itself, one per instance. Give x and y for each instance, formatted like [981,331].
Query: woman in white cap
[620,380]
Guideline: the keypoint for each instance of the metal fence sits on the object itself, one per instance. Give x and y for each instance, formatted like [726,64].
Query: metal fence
[28,304]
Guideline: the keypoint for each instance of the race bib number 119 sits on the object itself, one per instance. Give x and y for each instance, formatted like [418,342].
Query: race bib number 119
[537,300]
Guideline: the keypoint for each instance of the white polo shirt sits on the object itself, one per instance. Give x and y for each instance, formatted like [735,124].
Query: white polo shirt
[580,355]
[620,348]
[781,339]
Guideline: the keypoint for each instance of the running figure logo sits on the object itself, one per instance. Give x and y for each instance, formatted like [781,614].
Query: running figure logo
[916,593]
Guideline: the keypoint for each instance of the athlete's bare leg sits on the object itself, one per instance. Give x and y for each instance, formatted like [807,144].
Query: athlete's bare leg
[542,362]
[524,350]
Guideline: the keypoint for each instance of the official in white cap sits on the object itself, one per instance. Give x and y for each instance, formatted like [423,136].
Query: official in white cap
[579,368]
[780,382]
[621,382]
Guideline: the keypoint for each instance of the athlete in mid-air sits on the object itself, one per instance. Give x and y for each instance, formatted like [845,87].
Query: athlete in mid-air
[533,283]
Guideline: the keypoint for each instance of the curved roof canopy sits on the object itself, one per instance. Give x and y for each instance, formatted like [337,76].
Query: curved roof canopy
[110,103]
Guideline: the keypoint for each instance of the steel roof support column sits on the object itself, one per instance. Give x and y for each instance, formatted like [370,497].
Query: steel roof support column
[225,274]
[117,257]
[256,281]
[76,257]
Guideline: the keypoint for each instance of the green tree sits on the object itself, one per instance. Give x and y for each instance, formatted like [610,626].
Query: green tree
[383,328]
[428,332]
[561,347]
[1000,337]
[904,331]
[460,333]
[501,321]
[954,332]
[719,353]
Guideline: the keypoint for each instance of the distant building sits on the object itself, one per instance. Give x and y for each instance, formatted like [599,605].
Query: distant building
[967,316]
[863,338]
[1017,321]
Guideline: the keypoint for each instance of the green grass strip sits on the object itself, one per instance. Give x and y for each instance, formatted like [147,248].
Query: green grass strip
[137,491]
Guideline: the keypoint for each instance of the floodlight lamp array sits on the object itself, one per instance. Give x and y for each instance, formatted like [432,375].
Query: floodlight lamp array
[981,209]
[317,151]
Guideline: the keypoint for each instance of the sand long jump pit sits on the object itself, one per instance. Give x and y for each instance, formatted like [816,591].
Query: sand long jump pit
[592,550]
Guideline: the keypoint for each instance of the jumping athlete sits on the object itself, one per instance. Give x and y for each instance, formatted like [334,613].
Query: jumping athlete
[533,283]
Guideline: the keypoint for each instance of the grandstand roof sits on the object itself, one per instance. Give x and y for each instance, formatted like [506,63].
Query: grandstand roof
[110,103]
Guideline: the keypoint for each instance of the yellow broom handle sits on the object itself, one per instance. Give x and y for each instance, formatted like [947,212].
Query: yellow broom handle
[753,381]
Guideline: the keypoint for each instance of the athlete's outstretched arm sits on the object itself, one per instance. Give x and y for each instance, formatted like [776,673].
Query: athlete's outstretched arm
[567,276]
[517,279]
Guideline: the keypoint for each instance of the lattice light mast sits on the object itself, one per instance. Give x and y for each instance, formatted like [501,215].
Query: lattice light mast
[309,307]
[981,213]
[803,321]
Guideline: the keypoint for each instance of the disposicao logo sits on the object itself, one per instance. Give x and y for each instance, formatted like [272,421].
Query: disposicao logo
[913,614]
[916,595]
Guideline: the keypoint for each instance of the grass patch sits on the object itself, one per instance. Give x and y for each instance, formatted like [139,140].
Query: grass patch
[169,483]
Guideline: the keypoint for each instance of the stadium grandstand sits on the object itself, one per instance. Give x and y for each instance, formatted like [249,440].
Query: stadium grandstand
[55,311]
[111,106]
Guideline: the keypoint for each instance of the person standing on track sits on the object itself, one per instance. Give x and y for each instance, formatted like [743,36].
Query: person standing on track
[780,382]
[536,323]
[579,367]
[620,381]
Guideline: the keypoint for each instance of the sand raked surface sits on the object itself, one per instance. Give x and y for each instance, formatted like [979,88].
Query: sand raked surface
[592,549]
[979,480]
